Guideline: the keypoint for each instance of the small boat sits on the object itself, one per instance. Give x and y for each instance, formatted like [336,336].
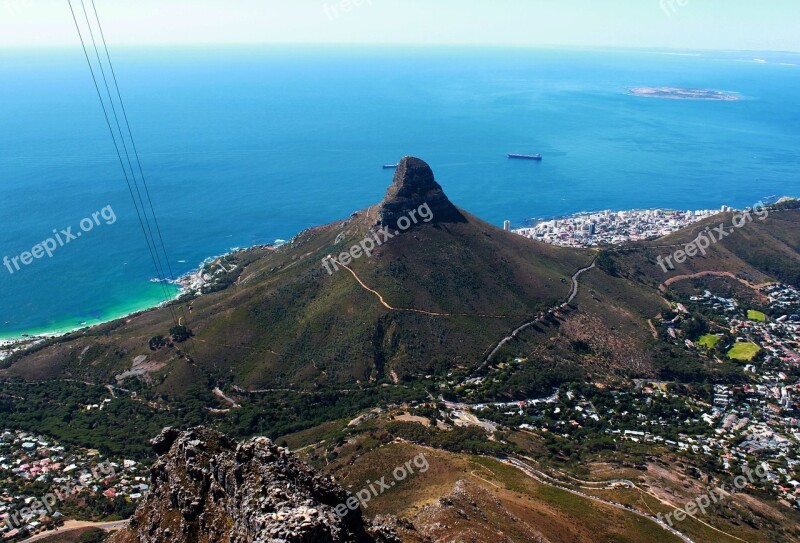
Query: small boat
[390,166]
[526,157]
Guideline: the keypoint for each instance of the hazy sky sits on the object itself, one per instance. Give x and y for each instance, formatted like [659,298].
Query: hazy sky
[690,24]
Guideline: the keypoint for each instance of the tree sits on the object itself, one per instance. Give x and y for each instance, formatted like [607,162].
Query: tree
[607,263]
[180,334]
[93,535]
[157,342]
[694,327]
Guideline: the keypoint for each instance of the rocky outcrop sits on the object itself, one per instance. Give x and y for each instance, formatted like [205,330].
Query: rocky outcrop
[205,487]
[414,187]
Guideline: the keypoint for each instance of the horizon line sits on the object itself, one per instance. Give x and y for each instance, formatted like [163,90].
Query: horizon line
[399,45]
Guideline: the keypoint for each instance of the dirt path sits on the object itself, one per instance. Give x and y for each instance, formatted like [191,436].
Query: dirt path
[630,484]
[219,394]
[539,318]
[652,328]
[420,311]
[575,276]
[533,474]
[698,275]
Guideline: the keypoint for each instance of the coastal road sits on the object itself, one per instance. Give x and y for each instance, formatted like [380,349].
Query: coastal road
[76,525]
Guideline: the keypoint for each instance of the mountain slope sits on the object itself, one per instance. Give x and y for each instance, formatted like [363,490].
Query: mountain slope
[431,288]
[759,250]
[452,286]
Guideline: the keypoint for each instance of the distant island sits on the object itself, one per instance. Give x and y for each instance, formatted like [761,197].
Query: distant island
[675,93]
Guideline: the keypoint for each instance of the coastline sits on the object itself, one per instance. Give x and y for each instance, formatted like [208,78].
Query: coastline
[533,221]
[127,310]
[190,282]
[199,277]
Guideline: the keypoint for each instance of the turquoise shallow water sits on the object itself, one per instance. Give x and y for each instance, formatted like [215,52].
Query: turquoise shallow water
[244,146]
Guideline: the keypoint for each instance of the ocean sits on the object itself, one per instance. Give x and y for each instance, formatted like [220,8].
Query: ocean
[243,146]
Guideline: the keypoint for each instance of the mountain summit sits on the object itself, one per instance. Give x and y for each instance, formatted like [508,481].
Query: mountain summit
[414,186]
[440,294]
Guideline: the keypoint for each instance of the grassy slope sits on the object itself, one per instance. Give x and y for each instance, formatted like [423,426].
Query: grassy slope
[551,512]
[556,514]
[72,536]
[758,252]
[288,321]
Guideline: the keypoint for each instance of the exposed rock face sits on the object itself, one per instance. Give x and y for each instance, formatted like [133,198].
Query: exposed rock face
[207,488]
[414,186]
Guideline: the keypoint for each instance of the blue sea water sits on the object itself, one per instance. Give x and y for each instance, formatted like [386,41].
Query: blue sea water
[242,146]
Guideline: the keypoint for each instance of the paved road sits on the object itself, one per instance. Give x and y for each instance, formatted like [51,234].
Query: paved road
[76,525]
[541,316]
[575,276]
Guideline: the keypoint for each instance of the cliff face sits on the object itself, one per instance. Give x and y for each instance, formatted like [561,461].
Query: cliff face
[414,186]
[205,487]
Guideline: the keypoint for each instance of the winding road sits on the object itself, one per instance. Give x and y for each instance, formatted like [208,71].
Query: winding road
[541,478]
[710,273]
[541,316]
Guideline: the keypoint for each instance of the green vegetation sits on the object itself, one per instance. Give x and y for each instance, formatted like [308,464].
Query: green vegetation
[81,535]
[709,341]
[157,342]
[531,379]
[754,315]
[126,424]
[293,324]
[180,334]
[694,327]
[684,367]
[744,351]
[459,439]
[607,263]
[93,536]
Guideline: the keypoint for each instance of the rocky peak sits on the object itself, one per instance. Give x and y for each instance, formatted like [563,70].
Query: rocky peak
[414,187]
[206,487]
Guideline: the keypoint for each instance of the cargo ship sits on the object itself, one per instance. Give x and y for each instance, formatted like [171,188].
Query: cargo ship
[526,157]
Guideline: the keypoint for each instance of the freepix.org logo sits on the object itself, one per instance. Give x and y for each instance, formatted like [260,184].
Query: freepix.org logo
[699,505]
[343,7]
[59,239]
[711,236]
[15,7]
[44,506]
[369,243]
[373,489]
[671,6]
